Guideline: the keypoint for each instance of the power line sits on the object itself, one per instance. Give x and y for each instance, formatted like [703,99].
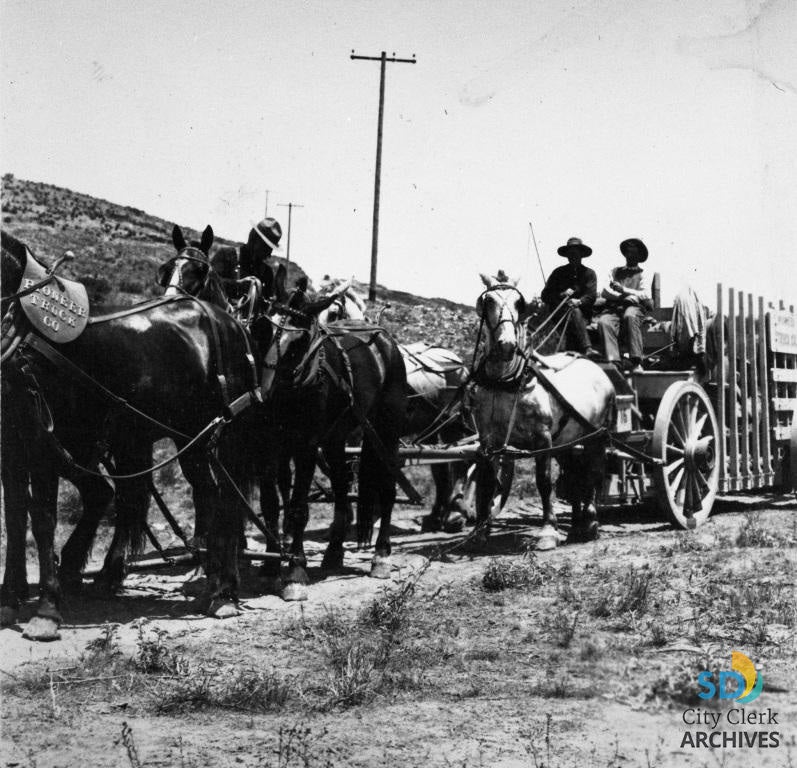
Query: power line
[290,207]
[383,59]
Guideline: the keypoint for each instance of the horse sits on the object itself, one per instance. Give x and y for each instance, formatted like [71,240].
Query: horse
[347,303]
[171,367]
[320,385]
[537,403]
[434,375]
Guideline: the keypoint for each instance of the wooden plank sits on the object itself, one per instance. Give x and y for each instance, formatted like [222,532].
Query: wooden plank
[784,374]
[755,416]
[741,354]
[786,404]
[733,473]
[766,448]
[722,448]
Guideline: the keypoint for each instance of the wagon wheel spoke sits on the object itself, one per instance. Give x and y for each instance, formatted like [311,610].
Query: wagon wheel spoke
[677,436]
[692,408]
[677,484]
[703,487]
[677,464]
[701,422]
[674,449]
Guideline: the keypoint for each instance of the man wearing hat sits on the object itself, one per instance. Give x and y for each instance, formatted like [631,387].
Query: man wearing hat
[576,286]
[627,302]
[250,259]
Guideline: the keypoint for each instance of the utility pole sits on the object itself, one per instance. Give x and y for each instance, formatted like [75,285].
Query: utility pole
[290,207]
[375,229]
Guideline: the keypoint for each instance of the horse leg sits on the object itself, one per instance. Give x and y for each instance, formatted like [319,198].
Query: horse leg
[377,496]
[16,500]
[270,509]
[43,514]
[548,538]
[485,491]
[340,477]
[284,482]
[296,580]
[591,467]
[97,495]
[436,520]
[132,506]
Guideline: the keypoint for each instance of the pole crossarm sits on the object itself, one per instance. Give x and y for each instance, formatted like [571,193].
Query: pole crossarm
[383,60]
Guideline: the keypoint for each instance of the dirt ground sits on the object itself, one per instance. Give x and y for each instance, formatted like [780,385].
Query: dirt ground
[584,656]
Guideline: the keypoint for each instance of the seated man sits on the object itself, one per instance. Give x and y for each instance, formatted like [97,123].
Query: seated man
[233,264]
[627,301]
[577,286]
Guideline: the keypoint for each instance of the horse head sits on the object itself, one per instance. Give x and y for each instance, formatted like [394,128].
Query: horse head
[346,304]
[502,314]
[188,271]
[295,334]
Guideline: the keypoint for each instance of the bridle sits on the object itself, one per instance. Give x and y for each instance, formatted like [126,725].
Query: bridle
[496,292]
[189,253]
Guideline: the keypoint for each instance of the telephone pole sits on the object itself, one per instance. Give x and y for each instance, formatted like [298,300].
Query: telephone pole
[290,207]
[375,229]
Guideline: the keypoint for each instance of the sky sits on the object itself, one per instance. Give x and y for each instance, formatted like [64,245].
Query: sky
[667,120]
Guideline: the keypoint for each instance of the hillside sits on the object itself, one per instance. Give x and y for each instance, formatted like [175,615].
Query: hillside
[119,248]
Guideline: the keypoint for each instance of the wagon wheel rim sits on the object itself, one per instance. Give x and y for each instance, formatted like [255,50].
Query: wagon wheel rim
[685,441]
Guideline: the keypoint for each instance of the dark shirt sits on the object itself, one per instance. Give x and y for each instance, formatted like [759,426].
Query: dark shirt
[581,279]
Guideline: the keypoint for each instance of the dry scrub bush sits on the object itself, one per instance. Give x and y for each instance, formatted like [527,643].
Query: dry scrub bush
[513,573]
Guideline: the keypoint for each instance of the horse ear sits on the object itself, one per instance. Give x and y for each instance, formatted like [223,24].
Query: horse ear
[523,308]
[279,282]
[301,283]
[479,305]
[178,239]
[207,240]
[488,281]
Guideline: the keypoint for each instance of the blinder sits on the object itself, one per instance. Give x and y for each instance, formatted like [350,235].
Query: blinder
[189,253]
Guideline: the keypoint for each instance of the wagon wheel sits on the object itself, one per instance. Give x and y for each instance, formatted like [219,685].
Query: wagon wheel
[685,440]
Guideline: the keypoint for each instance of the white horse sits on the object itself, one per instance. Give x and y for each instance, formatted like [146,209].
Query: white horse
[348,304]
[529,402]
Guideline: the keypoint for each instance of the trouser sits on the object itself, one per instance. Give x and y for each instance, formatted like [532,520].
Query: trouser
[576,336]
[629,323]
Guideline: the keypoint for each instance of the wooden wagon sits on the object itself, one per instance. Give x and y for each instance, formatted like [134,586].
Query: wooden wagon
[735,431]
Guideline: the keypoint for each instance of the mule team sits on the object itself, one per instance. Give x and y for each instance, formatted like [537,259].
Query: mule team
[244,390]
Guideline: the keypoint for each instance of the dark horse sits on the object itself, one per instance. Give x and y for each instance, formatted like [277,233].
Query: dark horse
[319,386]
[168,368]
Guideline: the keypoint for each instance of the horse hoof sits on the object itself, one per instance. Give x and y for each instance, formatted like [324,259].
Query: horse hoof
[455,523]
[548,539]
[8,616]
[380,567]
[430,524]
[223,608]
[42,629]
[293,591]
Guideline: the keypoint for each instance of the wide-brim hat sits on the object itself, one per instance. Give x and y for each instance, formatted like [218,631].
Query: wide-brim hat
[574,245]
[269,231]
[634,247]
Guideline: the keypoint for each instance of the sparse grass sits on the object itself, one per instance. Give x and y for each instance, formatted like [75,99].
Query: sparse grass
[513,573]
[627,593]
[562,627]
[754,533]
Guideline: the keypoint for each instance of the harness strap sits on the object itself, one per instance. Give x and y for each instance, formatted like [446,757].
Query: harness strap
[138,308]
